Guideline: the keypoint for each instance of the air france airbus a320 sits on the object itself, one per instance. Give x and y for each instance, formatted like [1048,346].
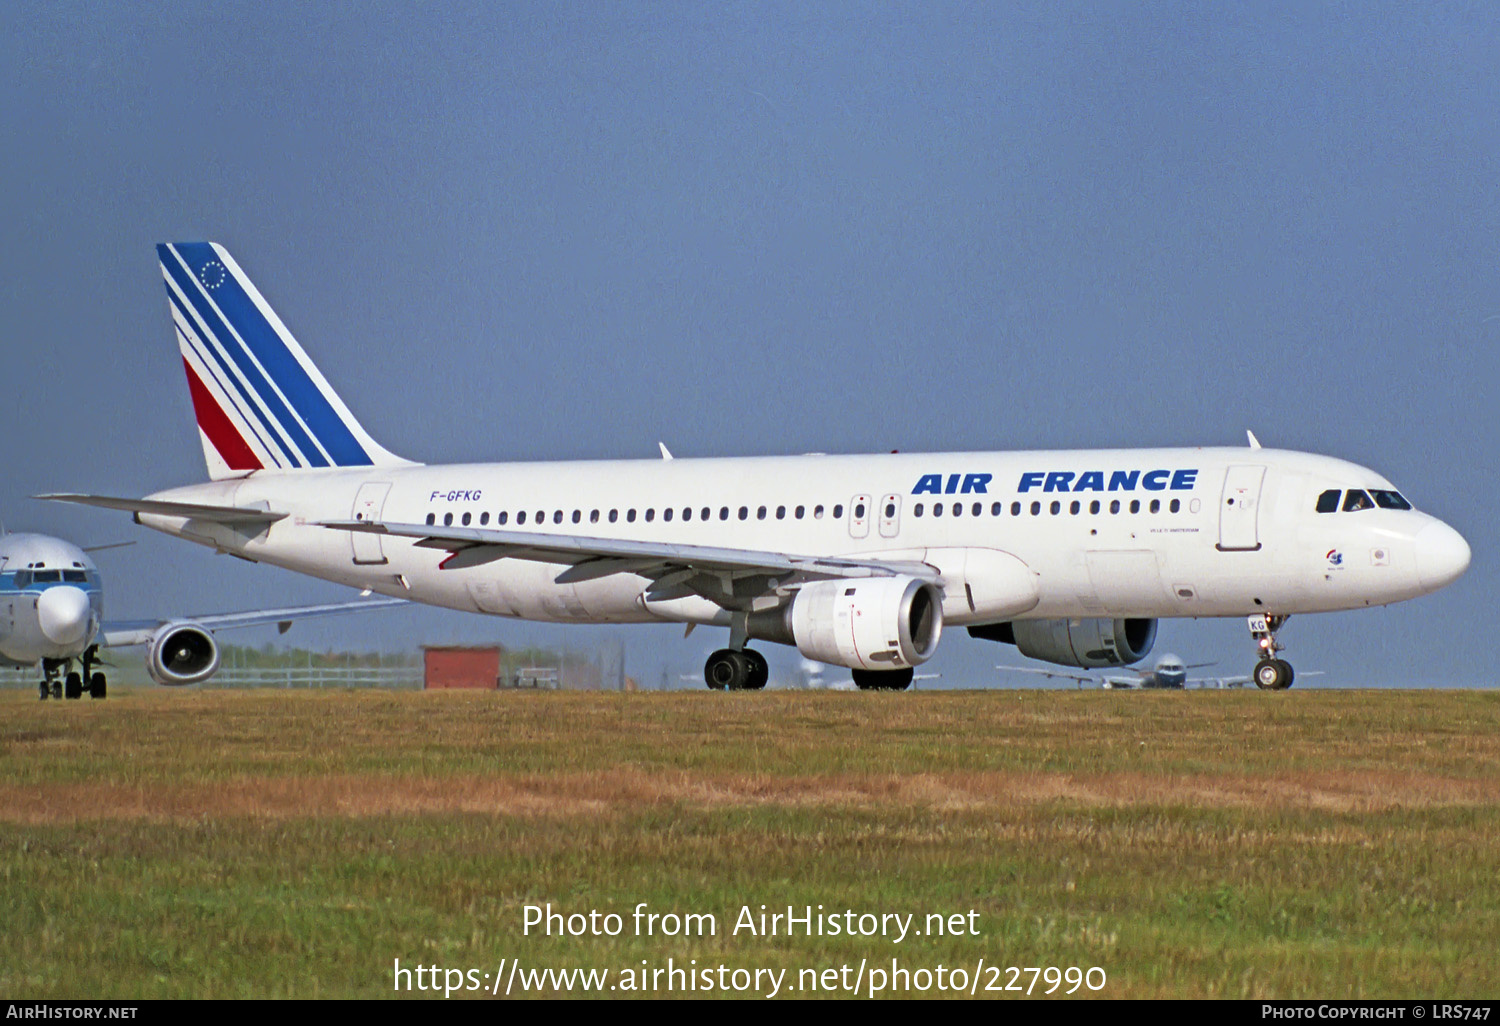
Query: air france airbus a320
[858,561]
[52,608]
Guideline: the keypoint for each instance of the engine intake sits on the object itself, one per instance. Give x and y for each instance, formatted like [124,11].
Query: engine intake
[181,653]
[1088,643]
[871,623]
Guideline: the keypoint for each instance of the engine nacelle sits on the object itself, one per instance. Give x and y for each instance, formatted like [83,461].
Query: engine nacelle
[868,623]
[1088,643]
[181,653]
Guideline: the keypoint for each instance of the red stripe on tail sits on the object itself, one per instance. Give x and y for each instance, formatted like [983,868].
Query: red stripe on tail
[216,425]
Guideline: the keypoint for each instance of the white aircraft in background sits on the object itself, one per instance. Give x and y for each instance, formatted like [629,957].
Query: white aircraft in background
[1169,672]
[857,561]
[52,609]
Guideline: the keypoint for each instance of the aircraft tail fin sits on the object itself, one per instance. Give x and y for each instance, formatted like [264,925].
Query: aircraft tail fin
[260,402]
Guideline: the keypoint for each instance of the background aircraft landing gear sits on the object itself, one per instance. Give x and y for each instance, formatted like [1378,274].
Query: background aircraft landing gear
[884,680]
[1271,673]
[45,689]
[731,670]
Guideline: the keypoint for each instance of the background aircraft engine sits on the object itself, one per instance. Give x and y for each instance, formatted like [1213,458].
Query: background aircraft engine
[1090,643]
[872,623]
[181,653]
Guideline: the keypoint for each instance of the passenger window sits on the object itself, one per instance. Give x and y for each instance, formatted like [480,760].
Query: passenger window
[859,511]
[799,511]
[593,516]
[1156,505]
[890,510]
[958,509]
[1390,500]
[666,514]
[541,516]
[937,509]
[431,519]
[1135,505]
[723,512]
[447,519]
[780,512]
[744,512]
[484,518]
[1328,502]
[502,517]
[1015,509]
[1114,506]
[1036,509]
[650,515]
[1074,507]
[630,516]
[1176,505]
[996,509]
[466,519]
[614,515]
[687,512]
[838,511]
[916,510]
[1354,500]
[521,517]
[1094,506]
[704,513]
[578,516]
[557,517]
[760,514]
[817,512]
[978,508]
[1056,507]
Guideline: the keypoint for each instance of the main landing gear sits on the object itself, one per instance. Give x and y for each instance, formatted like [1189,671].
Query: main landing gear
[73,684]
[731,669]
[883,680]
[1271,673]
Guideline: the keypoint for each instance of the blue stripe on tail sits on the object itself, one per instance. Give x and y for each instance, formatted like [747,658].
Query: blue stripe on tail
[262,339]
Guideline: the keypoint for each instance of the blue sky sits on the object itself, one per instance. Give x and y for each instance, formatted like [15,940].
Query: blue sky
[563,231]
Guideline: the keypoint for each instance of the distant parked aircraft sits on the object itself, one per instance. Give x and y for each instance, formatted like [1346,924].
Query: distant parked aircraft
[52,608]
[1169,672]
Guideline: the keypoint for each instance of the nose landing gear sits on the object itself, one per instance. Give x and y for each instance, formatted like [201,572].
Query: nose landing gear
[1271,673]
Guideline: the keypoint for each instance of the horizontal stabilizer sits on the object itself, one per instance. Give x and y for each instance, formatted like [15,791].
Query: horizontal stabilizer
[192,510]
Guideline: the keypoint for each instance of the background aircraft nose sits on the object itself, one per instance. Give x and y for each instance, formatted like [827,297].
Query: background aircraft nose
[1442,555]
[63,615]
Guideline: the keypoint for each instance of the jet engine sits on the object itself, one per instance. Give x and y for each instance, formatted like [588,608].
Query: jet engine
[1089,643]
[181,653]
[869,623]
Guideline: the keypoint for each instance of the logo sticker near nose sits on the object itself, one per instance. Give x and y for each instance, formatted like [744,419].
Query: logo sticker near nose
[1335,557]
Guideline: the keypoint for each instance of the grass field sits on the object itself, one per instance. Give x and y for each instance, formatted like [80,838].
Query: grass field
[224,844]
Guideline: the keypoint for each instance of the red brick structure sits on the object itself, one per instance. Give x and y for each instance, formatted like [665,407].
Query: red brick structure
[459,666]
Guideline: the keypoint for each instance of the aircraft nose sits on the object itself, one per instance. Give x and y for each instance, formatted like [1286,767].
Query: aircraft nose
[63,615]
[1442,555]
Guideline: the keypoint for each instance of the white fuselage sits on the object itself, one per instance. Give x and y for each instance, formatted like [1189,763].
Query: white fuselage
[1175,532]
[51,599]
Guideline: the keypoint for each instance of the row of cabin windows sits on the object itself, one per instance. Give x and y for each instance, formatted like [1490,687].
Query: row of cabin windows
[1055,507]
[797,512]
[1356,499]
[649,515]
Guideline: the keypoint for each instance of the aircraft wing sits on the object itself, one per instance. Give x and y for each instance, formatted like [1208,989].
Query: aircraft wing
[678,570]
[1217,682]
[1079,677]
[121,633]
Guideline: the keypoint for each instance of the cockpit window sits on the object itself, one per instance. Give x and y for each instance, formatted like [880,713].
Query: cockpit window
[1356,500]
[1328,502]
[1390,500]
[23,578]
[75,576]
[48,576]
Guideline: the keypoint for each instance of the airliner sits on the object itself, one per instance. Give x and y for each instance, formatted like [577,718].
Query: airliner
[855,560]
[52,608]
